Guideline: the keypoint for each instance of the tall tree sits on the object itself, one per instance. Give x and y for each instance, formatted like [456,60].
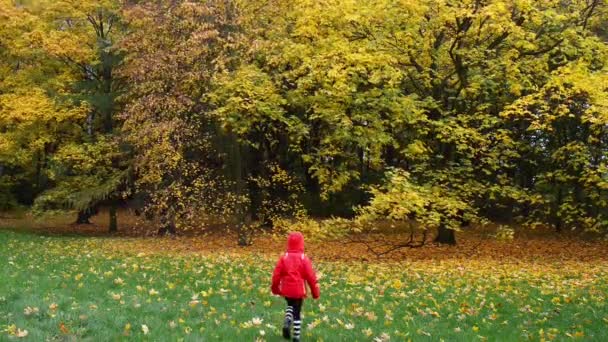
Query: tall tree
[418,85]
[175,49]
[71,43]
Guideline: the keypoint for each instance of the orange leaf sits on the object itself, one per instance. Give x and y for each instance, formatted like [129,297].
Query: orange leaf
[63,328]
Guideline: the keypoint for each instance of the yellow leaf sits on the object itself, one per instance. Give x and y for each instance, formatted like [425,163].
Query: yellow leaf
[21,333]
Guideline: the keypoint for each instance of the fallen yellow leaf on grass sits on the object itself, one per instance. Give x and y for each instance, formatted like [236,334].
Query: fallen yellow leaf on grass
[30,311]
[145,329]
[13,330]
[21,333]
[578,334]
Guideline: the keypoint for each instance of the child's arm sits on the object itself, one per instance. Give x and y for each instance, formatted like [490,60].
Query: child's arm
[311,279]
[276,277]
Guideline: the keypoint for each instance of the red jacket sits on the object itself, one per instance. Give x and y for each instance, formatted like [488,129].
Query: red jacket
[294,270]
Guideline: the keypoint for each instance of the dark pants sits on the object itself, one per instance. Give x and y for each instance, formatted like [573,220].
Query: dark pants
[292,316]
[296,304]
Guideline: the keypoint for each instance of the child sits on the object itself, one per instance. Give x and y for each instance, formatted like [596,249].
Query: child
[293,270]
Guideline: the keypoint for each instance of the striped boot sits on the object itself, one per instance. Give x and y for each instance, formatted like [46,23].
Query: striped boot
[287,323]
[297,325]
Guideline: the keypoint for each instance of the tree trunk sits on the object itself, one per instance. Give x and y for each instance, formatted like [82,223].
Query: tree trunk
[445,235]
[557,221]
[244,235]
[238,170]
[113,227]
[168,227]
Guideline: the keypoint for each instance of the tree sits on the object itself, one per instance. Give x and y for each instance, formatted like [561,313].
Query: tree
[69,83]
[97,24]
[174,51]
[562,128]
[34,116]
[403,202]
[256,112]
[417,85]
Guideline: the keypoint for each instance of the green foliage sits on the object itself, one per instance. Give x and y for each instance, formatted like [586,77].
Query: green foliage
[402,200]
[564,128]
[85,176]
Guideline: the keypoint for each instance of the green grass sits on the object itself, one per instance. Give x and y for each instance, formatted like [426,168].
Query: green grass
[455,300]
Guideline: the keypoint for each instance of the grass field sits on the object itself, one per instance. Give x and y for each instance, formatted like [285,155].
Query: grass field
[83,288]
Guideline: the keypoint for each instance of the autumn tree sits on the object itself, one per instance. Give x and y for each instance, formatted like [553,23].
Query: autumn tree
[35,116]
[80,161]
[436,112]
[422,86]
[173,53]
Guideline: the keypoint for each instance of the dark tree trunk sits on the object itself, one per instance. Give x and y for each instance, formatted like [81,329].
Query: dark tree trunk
[244,233]
[445,235]
[168,227]
[113,226]
[557,221]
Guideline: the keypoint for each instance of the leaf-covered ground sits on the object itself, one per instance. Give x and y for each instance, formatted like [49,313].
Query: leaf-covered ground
[66,288]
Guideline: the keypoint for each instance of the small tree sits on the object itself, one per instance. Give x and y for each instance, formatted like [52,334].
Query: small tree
[401,200]
[85,177]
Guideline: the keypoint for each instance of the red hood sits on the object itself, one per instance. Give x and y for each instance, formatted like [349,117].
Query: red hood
[295,242]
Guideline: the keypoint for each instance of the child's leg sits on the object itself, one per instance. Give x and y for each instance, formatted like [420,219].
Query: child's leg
[288,318]
[297,320]
[289,311]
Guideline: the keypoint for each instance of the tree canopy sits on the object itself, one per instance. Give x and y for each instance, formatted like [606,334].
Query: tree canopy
[438,111]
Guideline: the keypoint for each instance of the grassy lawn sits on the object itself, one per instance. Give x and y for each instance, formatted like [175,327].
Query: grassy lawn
[77,288]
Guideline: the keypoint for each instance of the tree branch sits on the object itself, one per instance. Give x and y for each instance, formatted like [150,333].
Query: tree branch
[588,12]
[542,51]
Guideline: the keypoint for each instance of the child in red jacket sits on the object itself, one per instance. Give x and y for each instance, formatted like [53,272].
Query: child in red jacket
[289,280]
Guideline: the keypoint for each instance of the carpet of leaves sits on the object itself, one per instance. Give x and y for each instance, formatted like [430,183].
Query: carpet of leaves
[192,289]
